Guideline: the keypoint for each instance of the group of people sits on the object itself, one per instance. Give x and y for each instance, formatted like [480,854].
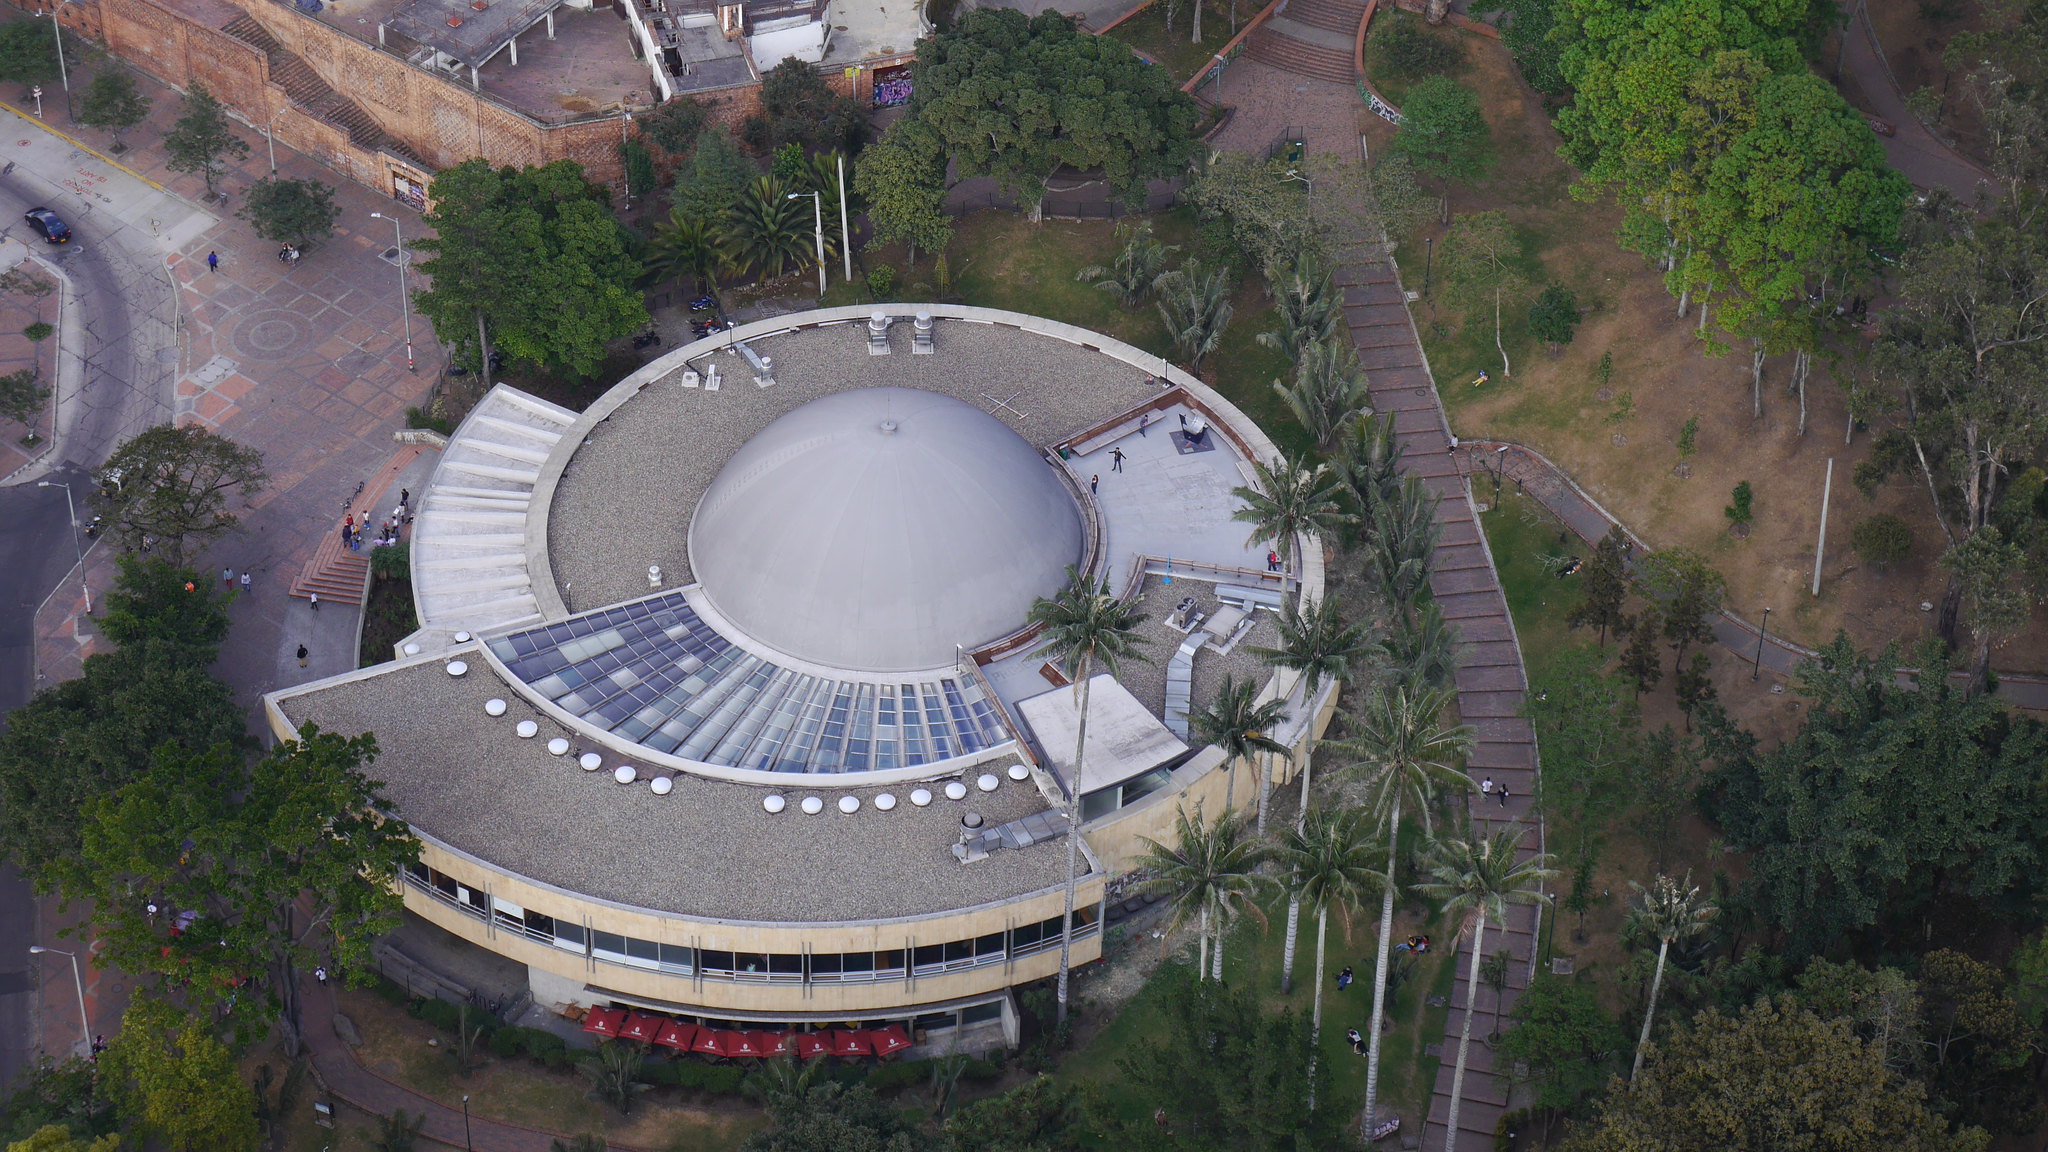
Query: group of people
[1417,944]
[387,533]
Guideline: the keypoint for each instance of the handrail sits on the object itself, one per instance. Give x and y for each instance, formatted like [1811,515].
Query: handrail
[1229,50]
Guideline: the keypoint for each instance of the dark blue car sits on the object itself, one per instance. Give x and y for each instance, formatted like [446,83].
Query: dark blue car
[49,225]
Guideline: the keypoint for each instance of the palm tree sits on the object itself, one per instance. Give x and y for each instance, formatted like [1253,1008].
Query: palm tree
[1308,308]
[1479,878]
[1404,751]
[1332,859]
[1670,910]
[1316,642]
[1238,723]
[1209,872]
[1404,533]
[1368,457]
[1196,308]
[1422,648]
[1328,391]
[1290,499]
[1082,626]
[1137,268]
[683,245]
[766,233]
[614,1073]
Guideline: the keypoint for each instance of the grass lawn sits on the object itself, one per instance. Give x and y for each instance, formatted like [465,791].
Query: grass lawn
[1525,543]
[1176,52]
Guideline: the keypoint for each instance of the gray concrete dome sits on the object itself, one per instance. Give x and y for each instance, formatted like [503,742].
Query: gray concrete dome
[877,529]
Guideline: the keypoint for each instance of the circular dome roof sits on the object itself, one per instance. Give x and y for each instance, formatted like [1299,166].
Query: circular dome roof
[876,529]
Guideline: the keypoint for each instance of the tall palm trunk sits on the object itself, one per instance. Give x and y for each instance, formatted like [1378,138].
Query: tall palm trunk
[1294,901]
[1650,1013]
[1216,958]
[1265,794]
[1230,787]
[1465,1033]
[1073,845]
[1322,936]
[1379,972]
[1202,946]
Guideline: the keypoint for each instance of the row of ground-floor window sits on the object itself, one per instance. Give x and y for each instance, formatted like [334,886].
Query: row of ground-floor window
[916,958]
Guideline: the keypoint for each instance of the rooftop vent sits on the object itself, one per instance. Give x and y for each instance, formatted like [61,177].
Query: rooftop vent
[455,21]
[773,804]
[955,790]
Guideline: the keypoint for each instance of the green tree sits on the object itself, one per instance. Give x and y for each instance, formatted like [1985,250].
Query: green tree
[1991,573]
[672,126]
[1482,261]
[1882,540]
[1554,317]
[1477,878]
[1237,723]
[1332,860]
[1741,509]
[614,1073]
[1668,910]
[286,211]
[65,1094]
[1308,307]
[1667,775]
[717,175]
[90,736]
[1043,1114]
[1694,686]
[533,256]
[1329,390]
[1884,1005]
[1083,626]
[1226,1074]
[1565,1037]
[22,395]
[905,192]
[767,234]
[1265,208]
[1774,1076]
[203,142]
[1402,749]
[1687,592]
[288,862]
[1421,649]
[1139,266]
[170,485]
[177,1082]
[1368,459]
[1018,98]
[684,245]
[1587,724]
[1951,779]
[798,107]
[28,53]
[58,1138]
[835,1118]
[1209,872]
[1290,499]
[1605,582]
[1195,303]
[111,103]
[1979,1042]
[1443,131]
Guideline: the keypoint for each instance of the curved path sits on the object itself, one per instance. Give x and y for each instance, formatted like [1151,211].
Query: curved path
[1553,488]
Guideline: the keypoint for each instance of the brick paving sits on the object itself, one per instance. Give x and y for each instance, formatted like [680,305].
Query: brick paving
[18,310]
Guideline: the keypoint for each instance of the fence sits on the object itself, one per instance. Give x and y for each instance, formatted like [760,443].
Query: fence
[1056,205]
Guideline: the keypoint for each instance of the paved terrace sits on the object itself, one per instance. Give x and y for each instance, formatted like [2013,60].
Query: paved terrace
[706,850]
[627,494]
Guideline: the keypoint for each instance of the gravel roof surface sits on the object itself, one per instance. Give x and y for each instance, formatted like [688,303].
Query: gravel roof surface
[707,849]
[626,499]
[1148,681]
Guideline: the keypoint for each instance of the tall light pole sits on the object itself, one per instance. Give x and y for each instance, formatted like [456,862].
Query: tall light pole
[625,162]
[466,1145]
[404,291]
[1758,667]
[271,140]
[845,237]
[818,221]
[72,510]
[84,1025]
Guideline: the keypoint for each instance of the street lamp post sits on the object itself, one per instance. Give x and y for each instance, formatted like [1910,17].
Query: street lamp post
[466,1145]
[845,237]
[1757,668]
[1429,261]
[818,222]
[626,162]
[71,510]
[84,1025]
[270,139]
[404,291]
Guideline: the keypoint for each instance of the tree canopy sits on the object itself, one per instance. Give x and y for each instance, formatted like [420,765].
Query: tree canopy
[178,1083]
[536,255]
[798,107]
[111,102]
[1018,98]
[168,487]
[203,141]
[1443,131]
[286,211]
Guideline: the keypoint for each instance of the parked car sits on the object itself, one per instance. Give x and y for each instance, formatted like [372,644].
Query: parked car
[48,225]
[1881,127]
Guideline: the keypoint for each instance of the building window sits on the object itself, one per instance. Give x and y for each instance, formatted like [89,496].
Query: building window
[982,1013]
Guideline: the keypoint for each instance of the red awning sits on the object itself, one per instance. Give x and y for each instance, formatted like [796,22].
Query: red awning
[709,1041]
[889,1040]
[641,1026]
[604,1021]
[742,1044]
[770,1043]
[845,1043]
[809,1044]
[677,1035]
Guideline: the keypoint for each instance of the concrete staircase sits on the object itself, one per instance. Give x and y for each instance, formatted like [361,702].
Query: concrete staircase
[337,575]
[304,87]
[1311,38]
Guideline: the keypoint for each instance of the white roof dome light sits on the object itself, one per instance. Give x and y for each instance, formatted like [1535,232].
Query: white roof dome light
[878,529]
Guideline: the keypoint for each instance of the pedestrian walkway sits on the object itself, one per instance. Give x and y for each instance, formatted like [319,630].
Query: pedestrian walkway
[1552,487]
[1916,152]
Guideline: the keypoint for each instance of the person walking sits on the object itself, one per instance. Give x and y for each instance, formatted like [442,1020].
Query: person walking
[1094,482]
[227,579]
[1147,417]
[348,524]
[1486,786]
[303,653]
[1116,459]
[1502,792]
[405,497]
[245,582]
[315,597]
[213,261]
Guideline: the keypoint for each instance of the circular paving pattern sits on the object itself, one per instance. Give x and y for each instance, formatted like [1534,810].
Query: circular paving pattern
[272,333]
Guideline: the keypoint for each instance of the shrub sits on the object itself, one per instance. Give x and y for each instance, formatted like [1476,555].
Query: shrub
[1554,318]
[38,331]
[1410,52]
[1882,539]
[507,1042]
[1742,510]
[712,1078]
[981,1071]
[440,1013]
[900,1074]
[421,418]
[881,281]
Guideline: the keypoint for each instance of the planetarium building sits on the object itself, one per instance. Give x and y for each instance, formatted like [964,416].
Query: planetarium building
[726,708]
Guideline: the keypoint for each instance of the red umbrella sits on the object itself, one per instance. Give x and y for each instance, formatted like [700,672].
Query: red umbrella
[604,1021]
[890,1040]
[677,1035]
[770,1043]
[850,1043]
[809,1044]
[742,1044]
[641,1026]
[709,1041]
